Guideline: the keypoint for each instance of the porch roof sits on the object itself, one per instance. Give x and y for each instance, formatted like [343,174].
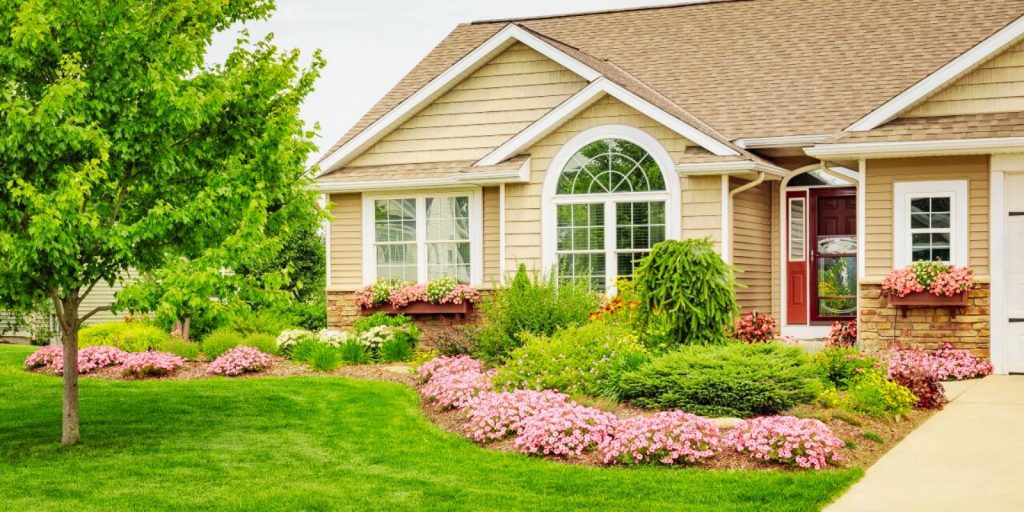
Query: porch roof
[973,126]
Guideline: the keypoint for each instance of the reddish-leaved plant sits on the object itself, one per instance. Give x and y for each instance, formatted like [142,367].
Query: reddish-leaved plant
[755,327]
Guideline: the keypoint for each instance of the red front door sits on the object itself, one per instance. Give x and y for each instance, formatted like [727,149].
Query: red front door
[833,251]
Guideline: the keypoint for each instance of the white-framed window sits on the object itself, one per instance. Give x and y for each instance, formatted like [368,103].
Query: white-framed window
[607,201]
[930,222]
[421,236]
[797,229]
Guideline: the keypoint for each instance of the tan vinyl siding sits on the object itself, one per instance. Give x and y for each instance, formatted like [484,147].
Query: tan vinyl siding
[751,245]
[882,174]
[492,233]
[494,103]
[996,86]
[523,201]
[775,252]
[101,295]
[702,208]
[346,242]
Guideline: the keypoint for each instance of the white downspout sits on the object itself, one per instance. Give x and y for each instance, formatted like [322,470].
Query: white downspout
[728,209]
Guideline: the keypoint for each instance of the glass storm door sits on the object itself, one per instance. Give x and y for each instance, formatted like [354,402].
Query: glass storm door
[833,244]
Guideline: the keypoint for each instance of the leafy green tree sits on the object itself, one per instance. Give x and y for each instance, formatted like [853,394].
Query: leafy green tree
[122,149]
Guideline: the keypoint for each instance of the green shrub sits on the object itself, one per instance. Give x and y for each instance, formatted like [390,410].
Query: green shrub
[873,395]
[220,341]
[266,343]
[732,380]
[266,321]
[366,323]
[531,305]
[686,293]
[610,387]
[840,366]
[395,350]
[574,360]
[453,340]
[136,336]
[187,349]
[324,358]
[354,352]
[303,349]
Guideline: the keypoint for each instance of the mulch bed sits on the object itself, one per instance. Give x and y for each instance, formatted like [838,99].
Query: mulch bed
[860,452]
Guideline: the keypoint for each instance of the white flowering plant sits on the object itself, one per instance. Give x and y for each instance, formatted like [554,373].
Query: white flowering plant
[288,339]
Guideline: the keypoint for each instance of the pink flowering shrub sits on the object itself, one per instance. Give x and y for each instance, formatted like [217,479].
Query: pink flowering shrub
[90,359]
[44,357]
[447,366]
[461,293]
[804,443]
[961,364]
[143,364]
[239,360]
[457,390]
[946,363]
[671,437]
[954,281]
[494,416]
[901,282]
[565,431]
[935,277]
[400,295]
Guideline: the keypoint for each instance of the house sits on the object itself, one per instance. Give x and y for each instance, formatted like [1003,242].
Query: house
[819,144]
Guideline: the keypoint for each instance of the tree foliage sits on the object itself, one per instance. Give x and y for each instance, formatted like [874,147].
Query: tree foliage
[122,149]
[686,293]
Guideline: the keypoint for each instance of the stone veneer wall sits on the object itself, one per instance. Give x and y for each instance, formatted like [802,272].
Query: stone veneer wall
[883,326]
[342,313]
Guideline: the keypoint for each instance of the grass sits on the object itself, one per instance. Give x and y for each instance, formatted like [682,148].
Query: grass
[317,443]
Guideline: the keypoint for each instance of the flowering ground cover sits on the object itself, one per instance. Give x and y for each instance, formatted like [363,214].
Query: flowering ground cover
[318,443]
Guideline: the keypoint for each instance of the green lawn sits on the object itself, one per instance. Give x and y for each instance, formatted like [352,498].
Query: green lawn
[316,444]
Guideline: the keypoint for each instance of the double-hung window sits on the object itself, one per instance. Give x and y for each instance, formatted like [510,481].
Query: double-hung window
[421,237]
[930,222]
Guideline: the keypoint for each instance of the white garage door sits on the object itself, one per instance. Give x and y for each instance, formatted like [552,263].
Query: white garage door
[1015,271]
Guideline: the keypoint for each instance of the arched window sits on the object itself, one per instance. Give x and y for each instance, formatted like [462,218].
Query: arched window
[611,203]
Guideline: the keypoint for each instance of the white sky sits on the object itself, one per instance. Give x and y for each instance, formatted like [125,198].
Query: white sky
[370,44]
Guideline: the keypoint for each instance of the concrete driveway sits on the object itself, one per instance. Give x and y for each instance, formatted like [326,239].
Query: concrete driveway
[969,456]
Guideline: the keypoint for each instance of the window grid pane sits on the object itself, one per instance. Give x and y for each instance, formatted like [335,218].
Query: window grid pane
[930,228]
[797,236]
[580,250]
[447,243]
[395,238]
[610,166]
[639,226]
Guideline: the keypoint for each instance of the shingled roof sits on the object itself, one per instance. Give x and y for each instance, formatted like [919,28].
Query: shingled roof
[754,68]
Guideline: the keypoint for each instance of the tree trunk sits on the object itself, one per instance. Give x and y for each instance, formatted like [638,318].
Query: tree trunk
[69,337]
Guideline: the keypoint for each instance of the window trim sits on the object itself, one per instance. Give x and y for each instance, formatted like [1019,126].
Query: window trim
[959,204]
[789,230]
[671,196]
[476,231]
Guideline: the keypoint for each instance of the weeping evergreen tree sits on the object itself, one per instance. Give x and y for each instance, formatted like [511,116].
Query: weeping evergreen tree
[121,148]
[686,293]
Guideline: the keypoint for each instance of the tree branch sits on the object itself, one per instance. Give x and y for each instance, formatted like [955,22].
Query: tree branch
[93,312]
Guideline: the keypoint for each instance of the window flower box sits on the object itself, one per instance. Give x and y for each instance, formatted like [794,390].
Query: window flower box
[929,284]
[438,297]
[418,308]
[929,300]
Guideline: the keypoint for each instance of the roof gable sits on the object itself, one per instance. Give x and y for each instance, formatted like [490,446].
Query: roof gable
[494,103]
[995,86]
[351,147]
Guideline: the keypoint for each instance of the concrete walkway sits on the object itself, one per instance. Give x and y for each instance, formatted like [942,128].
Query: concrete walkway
[969,456]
